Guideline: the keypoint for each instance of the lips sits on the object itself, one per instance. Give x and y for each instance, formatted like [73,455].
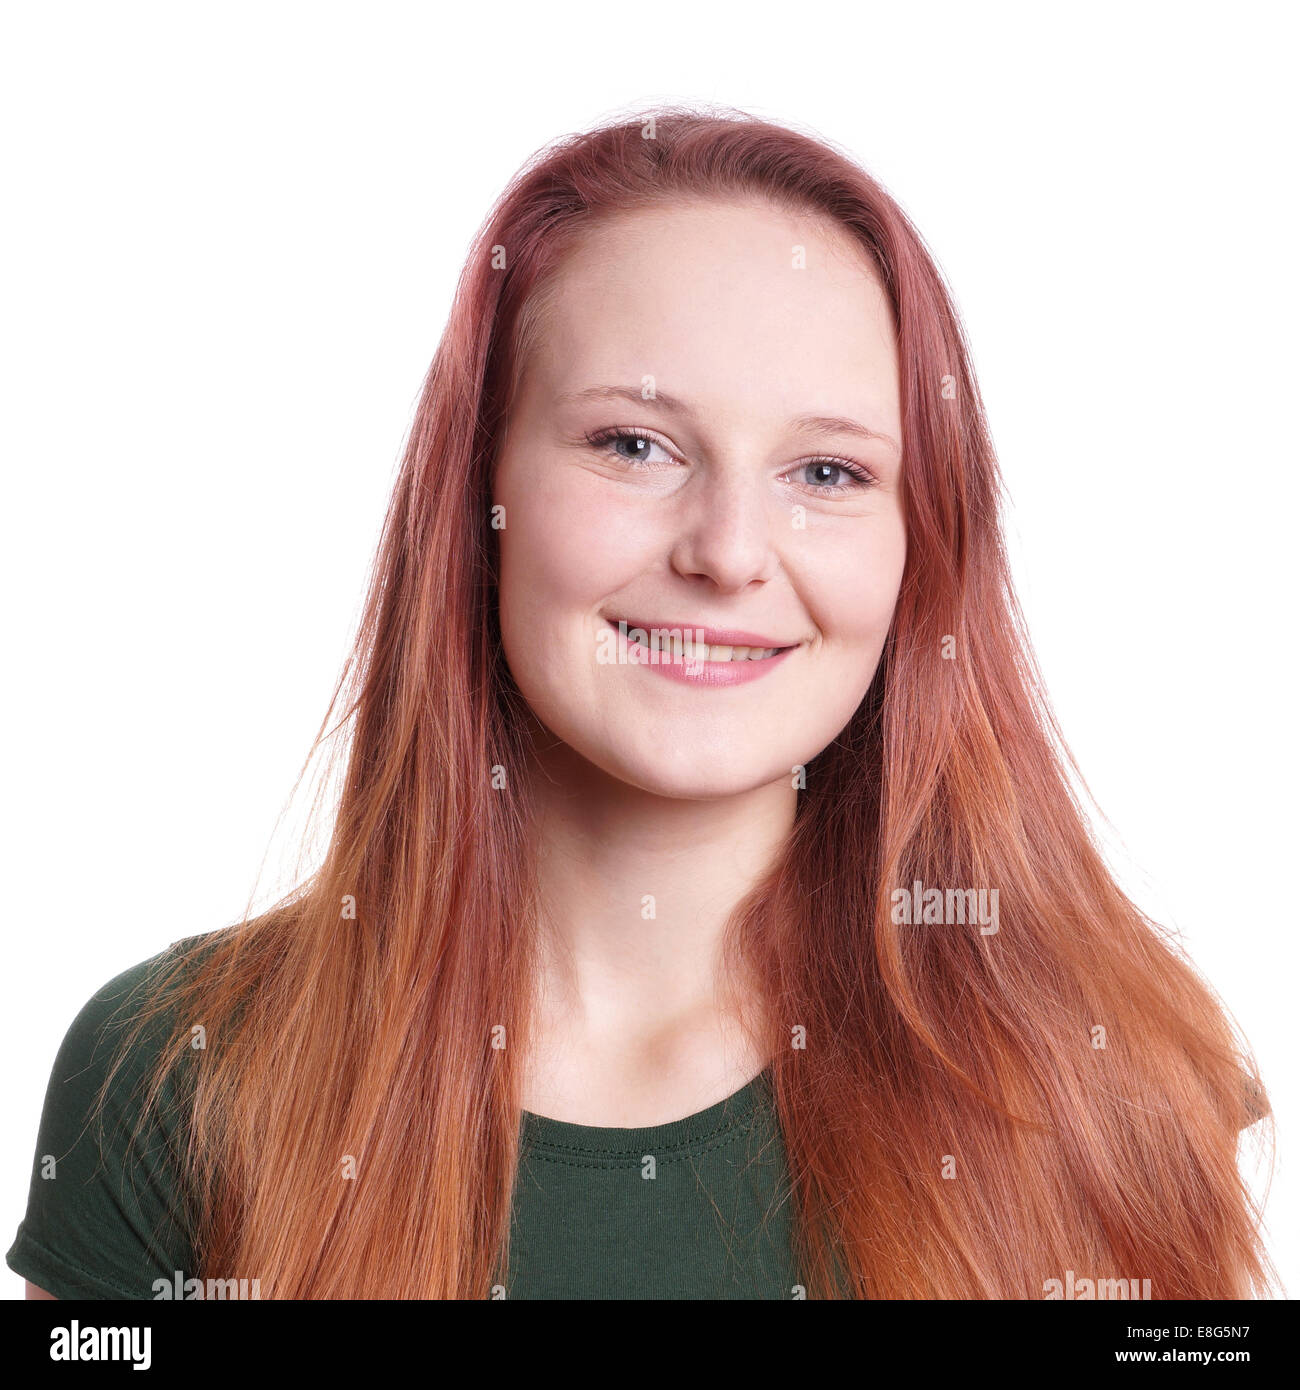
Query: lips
[694,642]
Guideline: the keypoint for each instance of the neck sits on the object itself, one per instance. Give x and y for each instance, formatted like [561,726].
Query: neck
[634,893]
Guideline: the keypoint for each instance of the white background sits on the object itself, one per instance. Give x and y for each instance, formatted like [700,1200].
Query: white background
[231,239]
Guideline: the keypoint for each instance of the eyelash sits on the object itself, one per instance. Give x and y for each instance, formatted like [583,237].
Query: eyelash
[863,478]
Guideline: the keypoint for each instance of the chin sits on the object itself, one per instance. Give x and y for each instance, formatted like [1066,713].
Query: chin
[692,775]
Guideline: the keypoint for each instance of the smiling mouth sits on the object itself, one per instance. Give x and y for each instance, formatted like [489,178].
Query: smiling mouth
[681,642]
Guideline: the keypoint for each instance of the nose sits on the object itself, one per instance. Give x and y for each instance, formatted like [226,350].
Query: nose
[725,530]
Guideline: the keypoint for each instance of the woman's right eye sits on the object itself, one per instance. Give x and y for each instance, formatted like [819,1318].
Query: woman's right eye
[630,446]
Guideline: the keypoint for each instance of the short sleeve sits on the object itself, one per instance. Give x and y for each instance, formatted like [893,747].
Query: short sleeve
[106,1212]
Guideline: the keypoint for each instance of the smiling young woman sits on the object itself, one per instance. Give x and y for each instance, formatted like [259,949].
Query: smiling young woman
[690,643]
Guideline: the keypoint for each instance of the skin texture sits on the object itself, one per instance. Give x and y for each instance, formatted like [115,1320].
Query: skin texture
[653,787]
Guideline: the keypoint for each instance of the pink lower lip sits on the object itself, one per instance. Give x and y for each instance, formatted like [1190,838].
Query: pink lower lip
[677,667]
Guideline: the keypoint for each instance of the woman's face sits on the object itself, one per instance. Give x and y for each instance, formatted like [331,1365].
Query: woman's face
[747,356]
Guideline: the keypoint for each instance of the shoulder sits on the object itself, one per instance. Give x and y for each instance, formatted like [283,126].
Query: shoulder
[107,1214]
[120,1000]
[114,1003]
[1255,1103]
[121,1027]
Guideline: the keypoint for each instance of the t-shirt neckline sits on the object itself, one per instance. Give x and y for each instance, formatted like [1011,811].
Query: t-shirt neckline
[540,1131]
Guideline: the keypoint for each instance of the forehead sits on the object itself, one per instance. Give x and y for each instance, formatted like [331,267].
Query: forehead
[738,302]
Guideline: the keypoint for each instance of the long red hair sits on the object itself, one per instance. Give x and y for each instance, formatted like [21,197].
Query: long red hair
[953,1126]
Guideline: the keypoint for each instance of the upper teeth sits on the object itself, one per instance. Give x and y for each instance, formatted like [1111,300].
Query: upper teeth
[690,650]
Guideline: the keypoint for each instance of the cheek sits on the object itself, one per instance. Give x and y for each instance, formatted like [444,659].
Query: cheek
[852,589]
[563,550]
[851,592]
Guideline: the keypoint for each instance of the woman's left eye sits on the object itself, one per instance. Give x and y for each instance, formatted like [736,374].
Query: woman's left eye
[834,475]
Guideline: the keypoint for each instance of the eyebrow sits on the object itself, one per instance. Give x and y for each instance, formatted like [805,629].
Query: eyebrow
[806,424]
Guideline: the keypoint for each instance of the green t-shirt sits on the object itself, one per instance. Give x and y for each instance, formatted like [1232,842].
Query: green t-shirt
[695,1209]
